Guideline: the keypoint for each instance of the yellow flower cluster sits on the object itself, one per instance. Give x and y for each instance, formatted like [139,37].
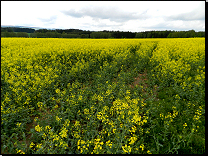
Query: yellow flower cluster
[83,146]
[98,146]
[126,149]
[132,140]
[58,119]
[38,128]
[172,58]
[63,133]
[109,143]
[20,152]
[198,114]
[18,124]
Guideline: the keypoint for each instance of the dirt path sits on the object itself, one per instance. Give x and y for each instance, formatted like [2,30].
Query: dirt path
[142,80]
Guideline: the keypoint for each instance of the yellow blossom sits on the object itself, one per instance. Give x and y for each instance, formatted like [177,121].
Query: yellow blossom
[142,147]
[38,128]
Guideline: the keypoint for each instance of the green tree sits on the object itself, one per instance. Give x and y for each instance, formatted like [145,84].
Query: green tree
[22,34]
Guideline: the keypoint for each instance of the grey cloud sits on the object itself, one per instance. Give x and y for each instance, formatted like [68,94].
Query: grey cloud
[196,14]
[50,20]
[188,16]
[168,25]
[73,13]
[111,13]
[159,26]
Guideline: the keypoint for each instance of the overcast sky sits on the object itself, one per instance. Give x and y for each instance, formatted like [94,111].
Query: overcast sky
[134,16]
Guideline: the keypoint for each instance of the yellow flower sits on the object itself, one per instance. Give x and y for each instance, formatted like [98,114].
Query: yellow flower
[40,104]
[132,140]
[76,135]
[82,142]
[35,118]
[86,111]
[108,143]
[126,149]
[57,90]
[142,147]
[58,119]
[38,128]
[47,127]
[20,152]
[63,133]
[148,152]
[18,124]
[32,144]
[39,145]
[100,98]
[44,135]
[184,125]
[80,98]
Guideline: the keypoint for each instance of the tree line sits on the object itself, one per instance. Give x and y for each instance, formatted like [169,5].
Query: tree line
[77,33]
[16,29]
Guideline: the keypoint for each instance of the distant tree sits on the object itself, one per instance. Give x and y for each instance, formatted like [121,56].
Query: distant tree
[22,34]
[3,34]
[41,35]
[33,35]
[95,35]
[57,35]
[84,36]
[200,34]
[149,35]
[139,35]
[169,35]
[191,33]
[3,29]
[10,29]
[10,34]
[41,30]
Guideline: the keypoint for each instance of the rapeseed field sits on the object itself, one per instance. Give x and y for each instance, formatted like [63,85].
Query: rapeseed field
[102,96]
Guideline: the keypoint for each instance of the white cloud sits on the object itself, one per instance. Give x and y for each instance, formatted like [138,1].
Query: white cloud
[109,15]
[112,13]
